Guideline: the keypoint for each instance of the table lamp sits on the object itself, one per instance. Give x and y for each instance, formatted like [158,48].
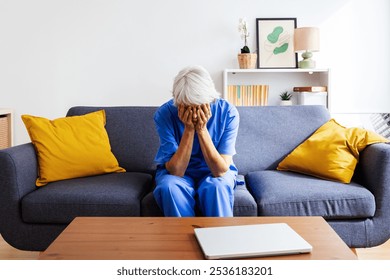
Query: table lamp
[307,40]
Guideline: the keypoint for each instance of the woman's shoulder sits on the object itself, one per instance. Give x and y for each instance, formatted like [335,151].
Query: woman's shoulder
[225,105]
[167,106]
[223,102]
[166,109]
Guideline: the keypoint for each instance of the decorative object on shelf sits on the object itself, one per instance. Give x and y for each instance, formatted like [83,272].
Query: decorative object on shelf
[275,42]
[246,59]
[5,128]
[285,98]
[4,132]
[307,40]
[311,98]
[311,95]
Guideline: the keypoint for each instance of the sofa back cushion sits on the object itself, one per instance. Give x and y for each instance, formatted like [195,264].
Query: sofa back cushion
[267,134]
[132,133]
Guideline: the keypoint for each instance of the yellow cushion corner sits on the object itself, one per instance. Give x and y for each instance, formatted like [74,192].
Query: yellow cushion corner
[71,147]
[331,152]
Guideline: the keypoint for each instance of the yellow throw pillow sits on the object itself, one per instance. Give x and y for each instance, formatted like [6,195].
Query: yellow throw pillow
[331,153]
[71,147]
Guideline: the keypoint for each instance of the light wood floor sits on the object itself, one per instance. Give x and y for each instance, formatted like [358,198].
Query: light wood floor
[7,252]
[381,252]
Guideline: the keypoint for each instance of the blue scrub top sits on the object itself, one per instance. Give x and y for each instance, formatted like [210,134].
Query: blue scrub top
[222,127]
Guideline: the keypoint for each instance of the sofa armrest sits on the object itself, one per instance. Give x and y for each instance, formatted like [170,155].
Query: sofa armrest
[374,167]
[375,170]
[18,172]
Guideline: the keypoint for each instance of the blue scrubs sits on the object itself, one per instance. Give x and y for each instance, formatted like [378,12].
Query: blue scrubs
[197,189]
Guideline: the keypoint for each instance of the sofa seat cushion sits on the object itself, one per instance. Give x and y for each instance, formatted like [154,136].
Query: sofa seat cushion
[116,194]
[282,193]
[244,203]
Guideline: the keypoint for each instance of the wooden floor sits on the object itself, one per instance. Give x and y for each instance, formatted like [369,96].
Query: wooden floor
[9,253]
[381,252]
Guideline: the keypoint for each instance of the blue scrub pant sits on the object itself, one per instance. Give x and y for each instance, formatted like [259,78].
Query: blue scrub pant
[178,196]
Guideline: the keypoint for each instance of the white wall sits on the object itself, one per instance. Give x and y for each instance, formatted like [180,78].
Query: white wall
[59,53]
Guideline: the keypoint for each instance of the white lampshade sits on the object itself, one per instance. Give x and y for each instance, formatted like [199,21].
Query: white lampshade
[307,39]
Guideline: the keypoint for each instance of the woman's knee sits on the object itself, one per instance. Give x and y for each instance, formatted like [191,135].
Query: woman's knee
[172,184]
[166,181]
[218,182]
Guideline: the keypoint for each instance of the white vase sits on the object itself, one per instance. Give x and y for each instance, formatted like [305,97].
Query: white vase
[285,103]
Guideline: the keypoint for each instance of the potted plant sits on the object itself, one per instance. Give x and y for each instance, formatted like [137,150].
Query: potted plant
[246,59]
[285,98]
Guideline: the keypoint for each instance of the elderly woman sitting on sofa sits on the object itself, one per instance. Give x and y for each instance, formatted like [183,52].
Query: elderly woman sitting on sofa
[198,132]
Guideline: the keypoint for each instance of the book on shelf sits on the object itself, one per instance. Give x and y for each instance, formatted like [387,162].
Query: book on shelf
[248,95]
[310,89]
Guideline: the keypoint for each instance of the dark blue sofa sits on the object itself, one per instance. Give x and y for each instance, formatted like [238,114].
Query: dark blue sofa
[31,218]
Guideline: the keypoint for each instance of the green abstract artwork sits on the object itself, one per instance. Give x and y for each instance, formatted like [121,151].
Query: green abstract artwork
[283,48]
[275,38]
[275,42]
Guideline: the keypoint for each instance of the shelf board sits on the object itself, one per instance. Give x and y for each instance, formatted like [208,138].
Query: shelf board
[278,70]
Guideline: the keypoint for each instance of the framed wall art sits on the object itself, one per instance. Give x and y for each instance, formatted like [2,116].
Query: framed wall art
[275,42]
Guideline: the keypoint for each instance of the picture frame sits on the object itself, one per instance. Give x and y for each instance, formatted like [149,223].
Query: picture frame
[275,43]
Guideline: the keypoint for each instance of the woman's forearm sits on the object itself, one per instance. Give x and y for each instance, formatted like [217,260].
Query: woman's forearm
[178,164]
[217,163]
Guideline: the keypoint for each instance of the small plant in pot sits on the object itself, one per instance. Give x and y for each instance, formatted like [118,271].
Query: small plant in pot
[246,59]
[285,98]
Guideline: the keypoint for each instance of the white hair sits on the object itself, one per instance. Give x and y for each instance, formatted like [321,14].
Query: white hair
[194,86]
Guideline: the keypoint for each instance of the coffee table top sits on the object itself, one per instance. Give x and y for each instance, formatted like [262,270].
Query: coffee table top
[142,238]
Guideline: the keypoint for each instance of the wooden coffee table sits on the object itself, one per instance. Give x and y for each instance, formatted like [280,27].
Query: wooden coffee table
[139,238]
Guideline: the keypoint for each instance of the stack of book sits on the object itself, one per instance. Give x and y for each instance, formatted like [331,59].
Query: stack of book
[248,95]
[310,89]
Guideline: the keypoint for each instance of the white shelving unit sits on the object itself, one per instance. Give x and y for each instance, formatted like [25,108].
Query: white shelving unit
[278,80]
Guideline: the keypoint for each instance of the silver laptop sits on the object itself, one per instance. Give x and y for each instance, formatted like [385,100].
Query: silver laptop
[258,240]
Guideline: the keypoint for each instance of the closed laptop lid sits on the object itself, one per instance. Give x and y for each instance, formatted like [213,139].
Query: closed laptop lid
[250,241]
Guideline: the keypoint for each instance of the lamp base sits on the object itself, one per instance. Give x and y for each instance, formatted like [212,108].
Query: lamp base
[307,62]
